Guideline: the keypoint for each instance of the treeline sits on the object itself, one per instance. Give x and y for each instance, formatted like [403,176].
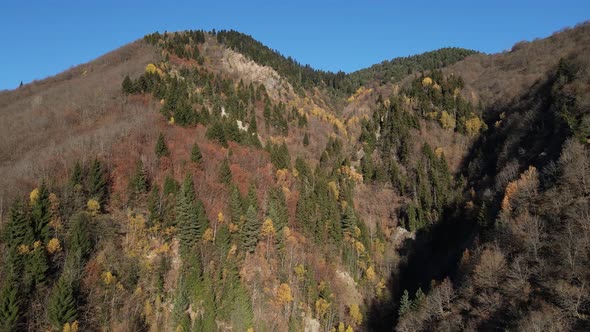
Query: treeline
[297,74]
[398,68]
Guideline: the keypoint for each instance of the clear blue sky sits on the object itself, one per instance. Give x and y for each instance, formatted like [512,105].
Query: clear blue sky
[44,37]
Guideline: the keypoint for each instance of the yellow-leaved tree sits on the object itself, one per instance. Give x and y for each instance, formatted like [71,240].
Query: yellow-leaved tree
[268,232]
[446,120]
[356,314]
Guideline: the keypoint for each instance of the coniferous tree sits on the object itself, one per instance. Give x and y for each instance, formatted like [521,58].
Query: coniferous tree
[251,199]
[405,304]
[223,239]
[305,139]
[9,305]
[250,230]
[235,205]
[202,220]
[180,317]
[225,172]
[19,229]
[349,221]
[127,85]
[41,213]
[161,147]
[155,205]
[79,238]
[97,182]
[186,215]
[196,156]
[209,314]
[241,313]
[77,177]
[278,211]
[61,306]
[36,266]
[139,183]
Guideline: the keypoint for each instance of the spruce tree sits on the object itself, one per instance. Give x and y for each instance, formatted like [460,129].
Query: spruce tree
[79,238]
[127,85]
[241,312]
[19,229]
[61,306]
[155,205]
[202,219]
[196,156]
[250,230]
[41,214]
[9,305]
[209,306]
[225,172]
[139,183]
[97,182]
[251,199]
[186,215]
[405,304]
[278,211]
[161,147]
[305,139]
[36,266]
[235,205]
[181,320]
[348,221]
[77,177]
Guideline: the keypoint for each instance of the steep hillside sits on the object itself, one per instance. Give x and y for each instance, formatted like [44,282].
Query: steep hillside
[200,181]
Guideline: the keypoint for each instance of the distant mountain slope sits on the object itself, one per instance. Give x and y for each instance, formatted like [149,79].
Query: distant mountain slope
[396,69]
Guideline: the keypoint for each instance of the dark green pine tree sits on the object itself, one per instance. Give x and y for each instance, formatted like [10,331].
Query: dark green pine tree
[250,231]
[36,267]
[77,177]
[97,182]
[19,229]
[155,206]
[348,221]
[9,305]
[79,238]
[241,314]
[139,183]
[202,220]
[251,199]
[253,125]
[209,306]
[223,239]
[186,215]
[161,147]
[405,304]
[196,156]
[305,139]
[127,85]
[225,172]
[41,214]
[419,299]
[235,205]
[412,223]
[180,317]
[278,211]
[61,306]
[267,114]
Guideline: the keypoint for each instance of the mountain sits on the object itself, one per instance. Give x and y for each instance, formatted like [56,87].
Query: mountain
[201,181]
